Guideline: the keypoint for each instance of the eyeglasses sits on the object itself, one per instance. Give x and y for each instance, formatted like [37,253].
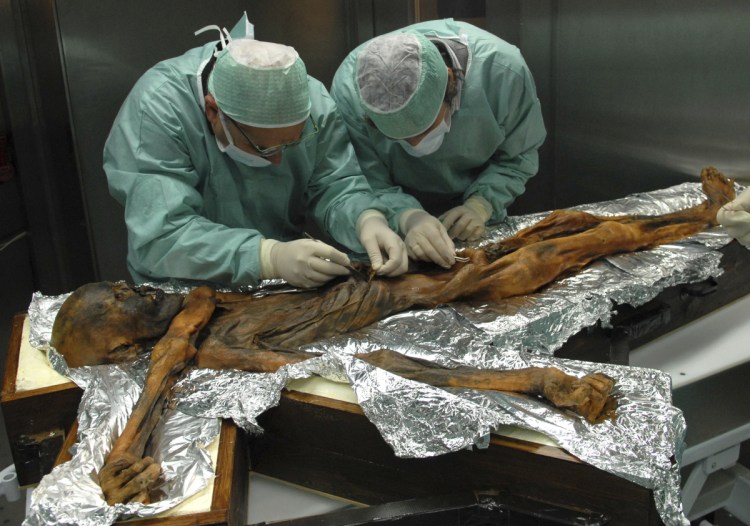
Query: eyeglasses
[273,150]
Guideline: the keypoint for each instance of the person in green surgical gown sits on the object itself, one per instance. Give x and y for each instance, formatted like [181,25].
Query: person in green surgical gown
[221,157]
[446,122]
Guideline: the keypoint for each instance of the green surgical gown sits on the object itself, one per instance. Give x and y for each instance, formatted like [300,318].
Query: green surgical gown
[192,213]
[491,148]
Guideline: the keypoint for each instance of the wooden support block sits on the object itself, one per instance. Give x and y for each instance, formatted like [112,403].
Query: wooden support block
[230,485]
[36,421]
[330,446]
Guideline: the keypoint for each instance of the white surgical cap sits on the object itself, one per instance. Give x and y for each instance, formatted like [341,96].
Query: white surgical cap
[401,79]
[261,84]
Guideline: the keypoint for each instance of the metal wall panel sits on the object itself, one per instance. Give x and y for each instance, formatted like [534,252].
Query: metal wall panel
[536,39]
[529,24]
[636,95]
[647,93]
[320,30]
[37,123]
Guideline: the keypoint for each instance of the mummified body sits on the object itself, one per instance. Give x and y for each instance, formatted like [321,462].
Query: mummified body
[104,323]
[563,242]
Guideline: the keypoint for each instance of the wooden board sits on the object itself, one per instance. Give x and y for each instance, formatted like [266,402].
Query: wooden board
[36,421]
[297,447]
[330,446]
[229,499]
[40,424]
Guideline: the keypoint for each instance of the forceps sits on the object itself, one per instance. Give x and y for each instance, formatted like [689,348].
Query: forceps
[353,271]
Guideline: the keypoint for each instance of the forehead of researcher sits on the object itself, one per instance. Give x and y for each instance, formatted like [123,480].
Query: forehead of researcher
[401,79]
[258,97]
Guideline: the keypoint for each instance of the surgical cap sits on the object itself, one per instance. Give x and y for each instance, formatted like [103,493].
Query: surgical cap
[401,79]
[261,84]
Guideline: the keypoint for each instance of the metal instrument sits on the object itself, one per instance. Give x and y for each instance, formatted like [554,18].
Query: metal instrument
[353,271]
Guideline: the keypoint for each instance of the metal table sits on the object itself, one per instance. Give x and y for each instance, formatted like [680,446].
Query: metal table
[709,363]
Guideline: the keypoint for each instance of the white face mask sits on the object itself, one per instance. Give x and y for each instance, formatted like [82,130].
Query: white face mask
[430,142]
[241,156]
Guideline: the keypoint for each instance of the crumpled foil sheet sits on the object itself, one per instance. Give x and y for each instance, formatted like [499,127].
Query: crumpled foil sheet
[70,494]
[643,444]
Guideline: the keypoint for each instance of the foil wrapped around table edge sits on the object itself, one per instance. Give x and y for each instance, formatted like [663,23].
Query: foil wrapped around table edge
[642,444]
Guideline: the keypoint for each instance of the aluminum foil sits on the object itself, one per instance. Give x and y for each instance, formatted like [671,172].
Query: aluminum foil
[543,322]
[643,444]
[70,494]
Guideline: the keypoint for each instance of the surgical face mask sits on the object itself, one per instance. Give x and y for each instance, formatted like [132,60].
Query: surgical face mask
[430,142]
[241,156]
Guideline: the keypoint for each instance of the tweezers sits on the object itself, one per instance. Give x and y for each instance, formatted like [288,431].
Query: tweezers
[353,271]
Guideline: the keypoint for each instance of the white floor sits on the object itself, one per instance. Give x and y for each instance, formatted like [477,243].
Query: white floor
[273,500]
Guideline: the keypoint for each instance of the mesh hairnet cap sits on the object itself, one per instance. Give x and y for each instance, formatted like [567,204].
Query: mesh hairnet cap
[401,79]
[261,84]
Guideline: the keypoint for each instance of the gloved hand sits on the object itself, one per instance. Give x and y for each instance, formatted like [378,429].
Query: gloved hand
[426,238]
[735,217]
[302,262]
[466,222]
[378,238]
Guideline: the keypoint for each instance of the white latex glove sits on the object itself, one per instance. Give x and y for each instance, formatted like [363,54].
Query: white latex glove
[302,262]
[377,238]
[735,217]
[426,238]
[466,222]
